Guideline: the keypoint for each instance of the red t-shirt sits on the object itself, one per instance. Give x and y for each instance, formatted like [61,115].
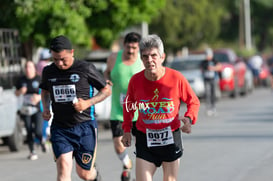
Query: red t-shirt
[158,102]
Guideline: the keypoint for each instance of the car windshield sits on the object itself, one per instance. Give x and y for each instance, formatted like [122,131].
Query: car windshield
[220,57]
[186,65]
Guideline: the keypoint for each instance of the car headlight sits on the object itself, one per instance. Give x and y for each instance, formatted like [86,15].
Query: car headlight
[227,73]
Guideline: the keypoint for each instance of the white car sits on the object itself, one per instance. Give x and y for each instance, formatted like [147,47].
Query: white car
[190,67]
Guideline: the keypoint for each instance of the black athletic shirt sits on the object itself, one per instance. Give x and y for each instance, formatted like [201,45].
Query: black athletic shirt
[64,85]
[208,74]
[32,86]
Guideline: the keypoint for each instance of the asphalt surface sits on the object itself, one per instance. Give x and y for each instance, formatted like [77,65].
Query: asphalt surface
[234,145]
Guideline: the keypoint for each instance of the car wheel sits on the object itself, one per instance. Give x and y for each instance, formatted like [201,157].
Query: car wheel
[15,141]
[243,91]
[235,91]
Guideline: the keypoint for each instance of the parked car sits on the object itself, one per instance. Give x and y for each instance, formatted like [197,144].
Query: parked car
[190,67]
[102,109]
[234,79]
[11,126]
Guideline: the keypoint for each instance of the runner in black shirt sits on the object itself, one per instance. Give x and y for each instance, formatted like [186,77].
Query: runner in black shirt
[69,85]
[210,68]
[30,111]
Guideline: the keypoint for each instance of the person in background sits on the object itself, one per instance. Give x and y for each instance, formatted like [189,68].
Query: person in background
[28,87]
[156,93]
[210,68]
[255,63]
[68,84]
[44,60]
[120,68]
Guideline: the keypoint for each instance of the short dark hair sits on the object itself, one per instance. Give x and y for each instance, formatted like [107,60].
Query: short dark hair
[132,37]
[60,43]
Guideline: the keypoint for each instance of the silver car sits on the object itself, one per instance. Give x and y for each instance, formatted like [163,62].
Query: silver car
[190,67]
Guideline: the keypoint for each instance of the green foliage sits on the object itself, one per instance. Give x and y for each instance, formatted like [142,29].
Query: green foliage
[188,23]
[110,18]
[262,25]
[40,20]
[191,23]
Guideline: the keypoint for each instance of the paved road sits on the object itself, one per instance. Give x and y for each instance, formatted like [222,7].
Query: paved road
[236,145]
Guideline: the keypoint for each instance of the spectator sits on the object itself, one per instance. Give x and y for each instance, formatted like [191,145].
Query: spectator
[44,60]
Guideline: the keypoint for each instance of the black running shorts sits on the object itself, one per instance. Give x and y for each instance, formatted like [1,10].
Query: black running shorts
[116,127]
[159,154]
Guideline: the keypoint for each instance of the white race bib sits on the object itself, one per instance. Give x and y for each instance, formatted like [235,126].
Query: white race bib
[159,137]
[64,93]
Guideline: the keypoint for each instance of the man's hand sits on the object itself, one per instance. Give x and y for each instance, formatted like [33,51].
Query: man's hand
[35,99]
[126,139]
[79,104]
[186,128]
[46,114]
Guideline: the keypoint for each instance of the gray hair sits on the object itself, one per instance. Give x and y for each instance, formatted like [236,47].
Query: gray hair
[151,41]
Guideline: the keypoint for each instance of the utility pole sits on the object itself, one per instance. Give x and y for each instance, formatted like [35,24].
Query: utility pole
[245,25]
[241,25]
[144,28]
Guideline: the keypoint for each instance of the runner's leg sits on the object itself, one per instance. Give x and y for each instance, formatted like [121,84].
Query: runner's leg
[170,170]
[144,170]
[64,166]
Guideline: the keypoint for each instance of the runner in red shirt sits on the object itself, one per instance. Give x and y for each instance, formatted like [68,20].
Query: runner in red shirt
[156,93]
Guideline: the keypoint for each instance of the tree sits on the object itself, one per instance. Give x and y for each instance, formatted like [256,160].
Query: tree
[262,25]
[188,23]
[40,20]
[109,18]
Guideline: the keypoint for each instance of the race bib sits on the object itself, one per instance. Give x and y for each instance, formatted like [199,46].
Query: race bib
[160,137]
[64,93]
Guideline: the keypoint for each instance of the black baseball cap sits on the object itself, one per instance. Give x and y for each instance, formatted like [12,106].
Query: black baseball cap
[60,43]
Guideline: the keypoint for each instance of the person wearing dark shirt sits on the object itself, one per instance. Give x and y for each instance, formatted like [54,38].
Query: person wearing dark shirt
[68,84]
[210,67]
[30,112]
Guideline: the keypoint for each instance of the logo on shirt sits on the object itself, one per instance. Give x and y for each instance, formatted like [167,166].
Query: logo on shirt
[86,158]
[158,109]
[35,84]
[74,77]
